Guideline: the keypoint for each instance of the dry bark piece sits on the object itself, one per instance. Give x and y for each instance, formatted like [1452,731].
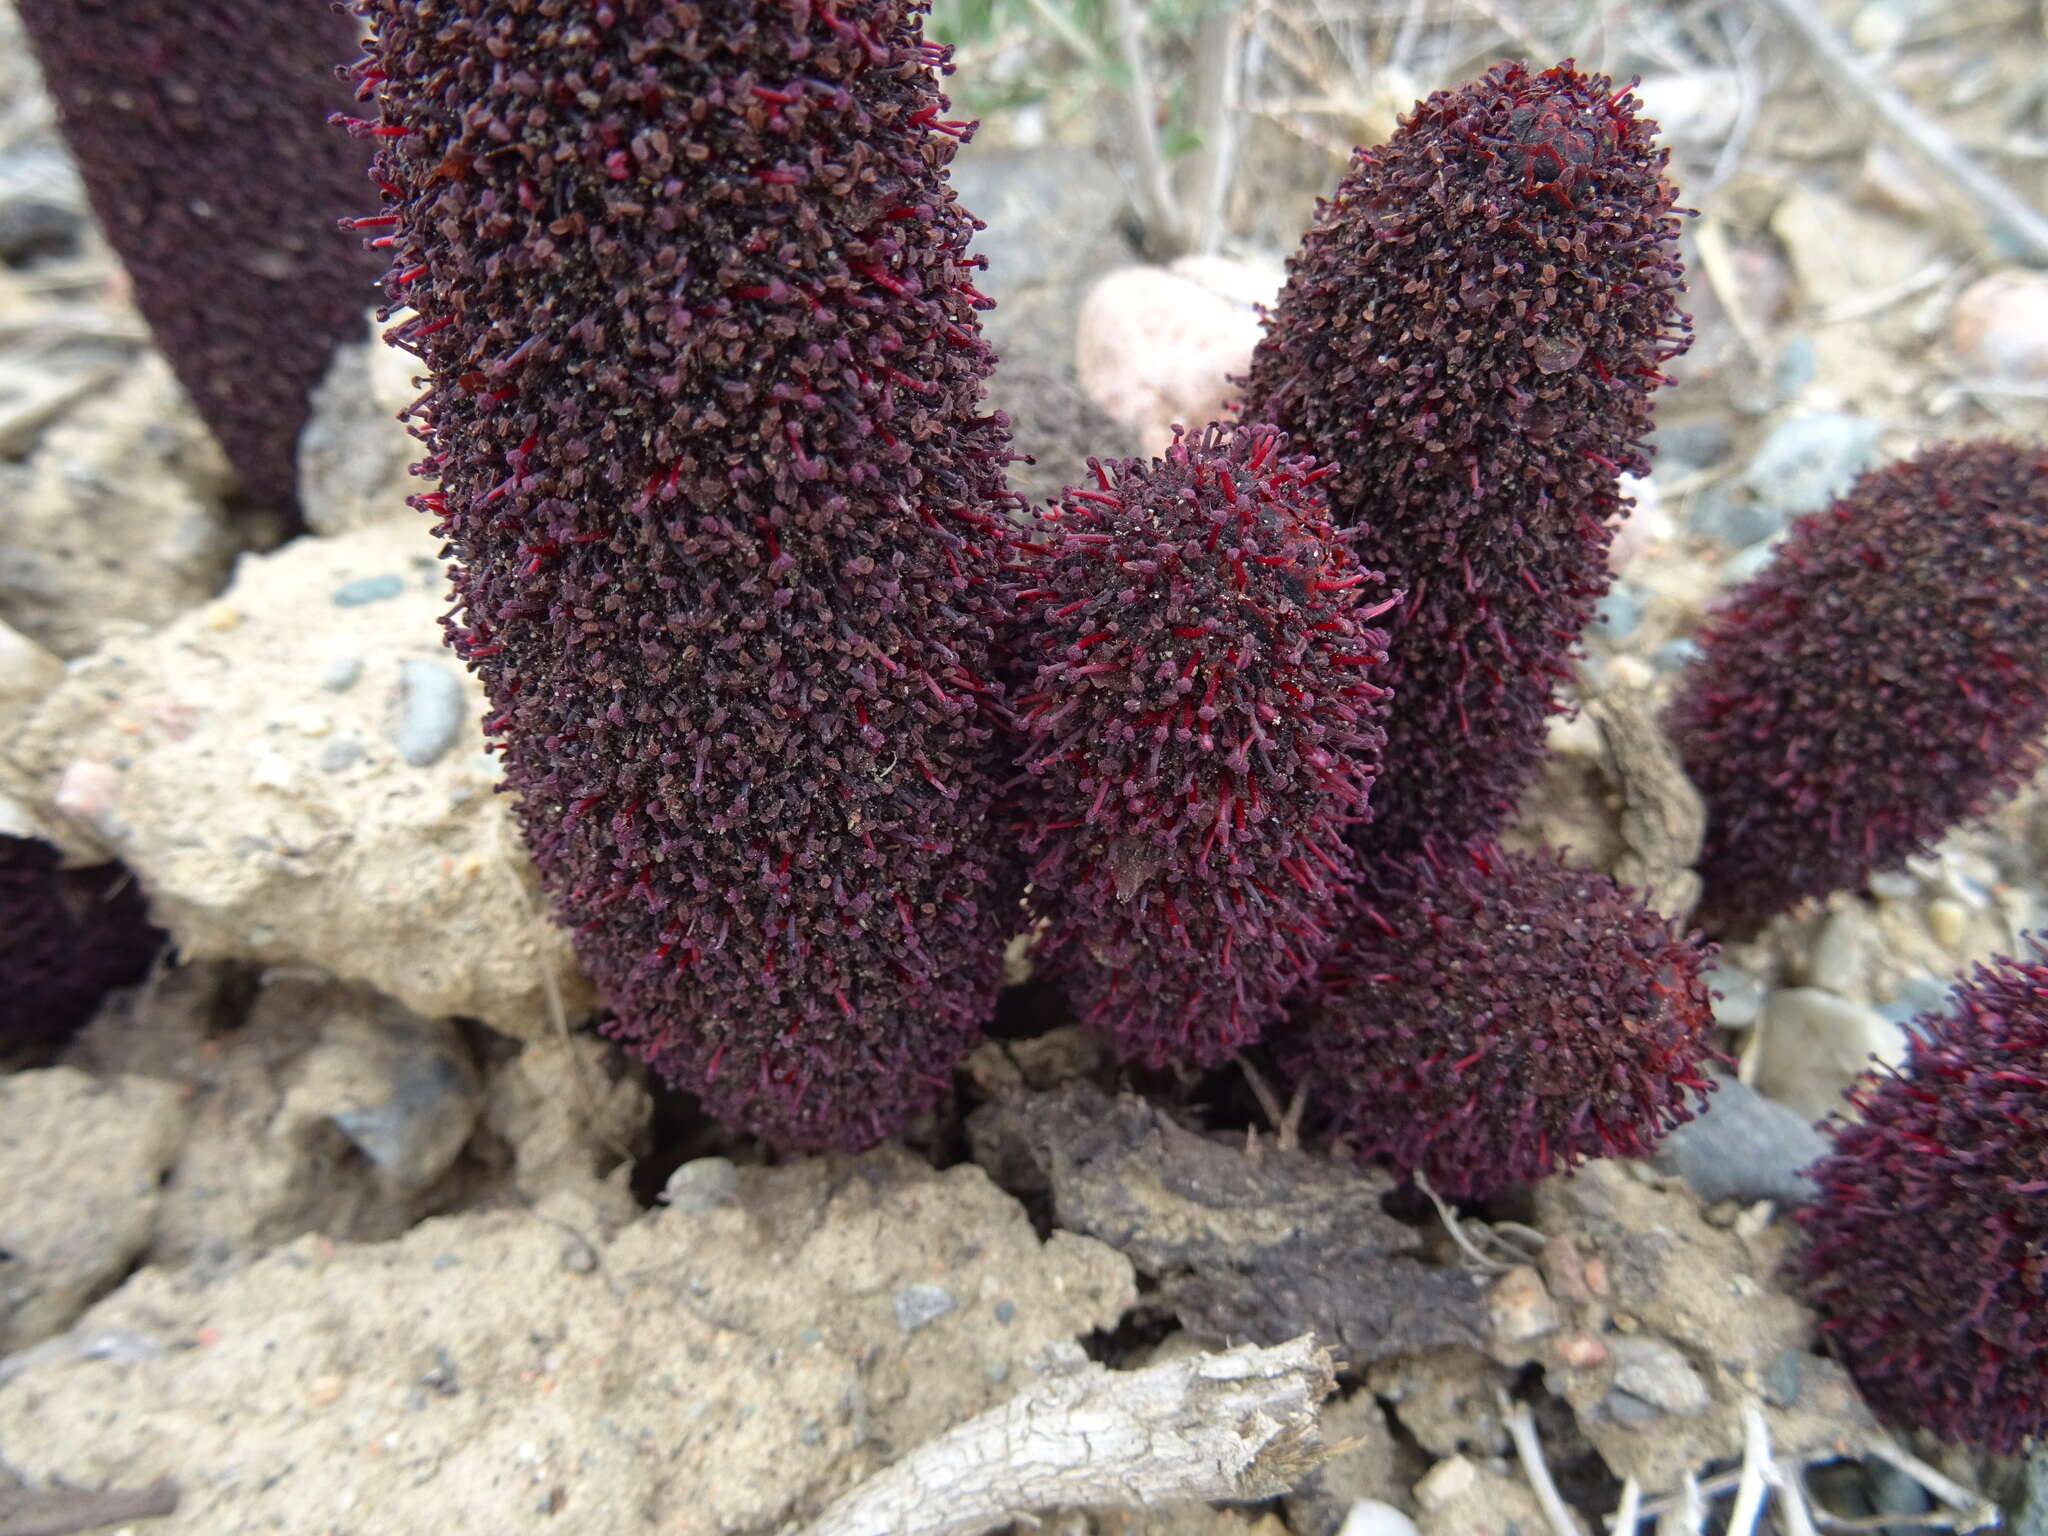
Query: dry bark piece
[1241,1424]
[1259,1245]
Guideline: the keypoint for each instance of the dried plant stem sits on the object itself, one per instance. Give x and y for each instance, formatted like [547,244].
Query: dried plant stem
[1931,143]
[1165,229]
[1241,1424]
[1521,1424]
[63,1510]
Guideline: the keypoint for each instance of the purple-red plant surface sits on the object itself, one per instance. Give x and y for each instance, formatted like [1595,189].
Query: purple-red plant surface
[1882,679]
[1199,722]
[1493,1017]
[200,127]
[67,938]
[724,516]
[1927,1244]
[1470,333]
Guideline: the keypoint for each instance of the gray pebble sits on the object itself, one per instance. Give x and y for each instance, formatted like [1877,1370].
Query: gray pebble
[1676,654]
[1919,993]
[1734,517]
[2033,1520]
[1894,885]
[702,1184]
[1658,1373]
[432,711]
[341,673]
[1835,964]
[1741,996]
[1619,612]
[1781,1379]
[919,1305]
[366,589]
[1810,460]
[1743,1147]
[339,753]
[1005,1311]
[1630,1411]
[1794,368]
[1684,447]
[997,1371]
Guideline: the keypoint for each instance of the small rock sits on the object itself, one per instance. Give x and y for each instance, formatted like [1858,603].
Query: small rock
[81,1163]
[1919,993]
[1893,885]
[424,1092]
[1739,996]
[1449,1479]
[1369,1517]
[1157,346]
[339,754]
[918,1306]
[1682,448]
[1630,1411]
[1743,1147]
[1810,460]
[1734,516]
[702,1184]
[1618,614]
[1893,1492]
[2033,1519]
[1794,368]
[1675,655]
[1815,1044]
[1949,921]
[1659,1374]
[1835,964]
[1519,1306]
[366,589]
[1999,327]
[341,673]
[431,711]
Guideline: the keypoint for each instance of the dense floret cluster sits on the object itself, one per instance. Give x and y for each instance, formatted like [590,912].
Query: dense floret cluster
[67,938]
[724,515]
[1470,333]
[1494,1017]
[200,127]
[1880,680]
[1927,1249]
[1199,723]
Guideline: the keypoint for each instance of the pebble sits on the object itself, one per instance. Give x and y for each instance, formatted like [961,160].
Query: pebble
[1894,1492]
[1619,613]
[273,770]
[1659,1374]
[1949,921]
[1630,1411]
[341,673]
[1794,368]
[1519,1306]
[1734,517]
[1369,1517]
[1675,655]
[1998,328]
[221,617]
[1743,1147]
[1810,460]
[1683,447]
[702,1184]
[1740,996]
[1835,962]
[339,753]
[366,589]
[1815,1044]
[917,1306]
[432,711]
[1894,885]
[1922,992]
[1449,1479]
[2033,1519]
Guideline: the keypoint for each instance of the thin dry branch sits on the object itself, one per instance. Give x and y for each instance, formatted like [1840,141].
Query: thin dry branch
[1925,139]
[1165,228]
[60,1511]
[1241,1424]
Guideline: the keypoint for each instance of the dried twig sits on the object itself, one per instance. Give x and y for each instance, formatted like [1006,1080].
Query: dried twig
[1927,140]
[1456,1228]
[1165,229]
[1237,1425]
[60,1511]
[1521,1425]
